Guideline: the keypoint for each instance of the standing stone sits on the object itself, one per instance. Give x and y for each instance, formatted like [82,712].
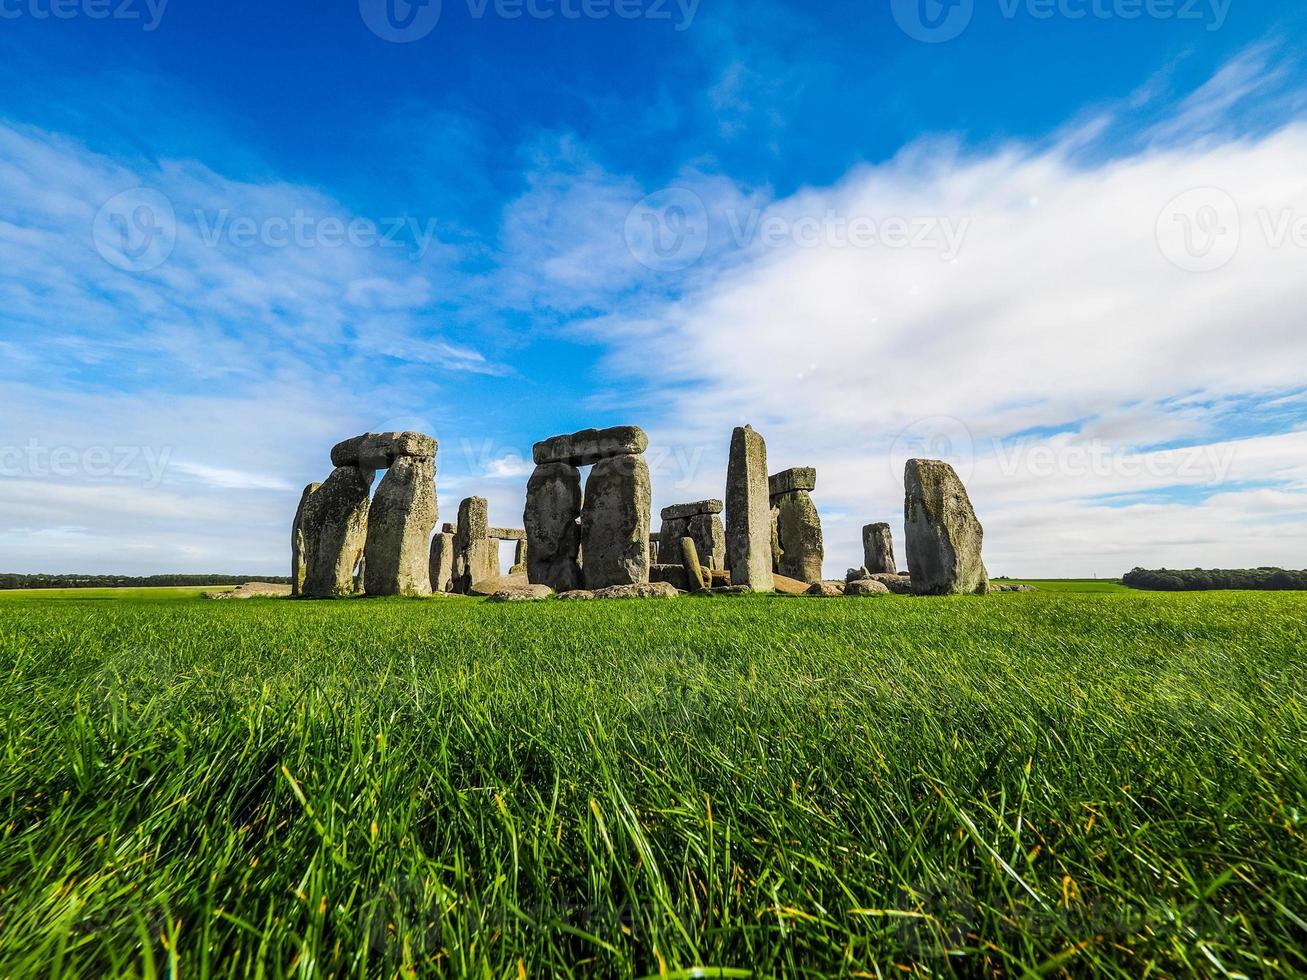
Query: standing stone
[710,538]
[615,522]
[476,555]
[299,563]
[653,548]
[776,550]
[520,553]
[799,528]
[400,520]
[441,563]
[694,572]
[944,538]
[335,529]
[878,549]
[361,571]
[670,534]
[553,536]
[748,513]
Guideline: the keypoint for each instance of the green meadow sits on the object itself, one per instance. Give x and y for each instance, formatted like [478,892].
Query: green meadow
[1054,783]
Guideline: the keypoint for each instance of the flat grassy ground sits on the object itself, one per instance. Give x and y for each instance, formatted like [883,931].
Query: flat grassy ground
[1054,782]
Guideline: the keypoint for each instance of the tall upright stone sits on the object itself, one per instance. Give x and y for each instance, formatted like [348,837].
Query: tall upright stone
[400,521]
[878,549]
[798,526]
[476,554]
[299,562]
[944,538]
[335,530]
[615,522]
[709,535]
[553,531]
[748,512]
[440,565]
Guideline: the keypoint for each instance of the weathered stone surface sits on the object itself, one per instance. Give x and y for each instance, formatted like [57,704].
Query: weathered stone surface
[476,556]
[496,583]
[441,562]
[522,593]
[866,586]
[553,507]
[898,584]
[653,548]
[776,550]
[673,575]
[519,558]
[878,548]
[720,577]
[794,479]
[360,570]
[826,589]
[686,511]
[944,538]
[335,529]
[1012,588]
[709,535]
[669,537]
[748,511]
[798,526]
[449,529]
[856,574]
[506,534]
[733,589]
[696,578]
[403,512]
[615,523]
[576,595]
[638,590]
[789,586]
[379,450]
[591,445]
[299,562]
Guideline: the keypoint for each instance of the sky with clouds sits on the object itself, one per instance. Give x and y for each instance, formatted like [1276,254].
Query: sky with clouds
[1060,243]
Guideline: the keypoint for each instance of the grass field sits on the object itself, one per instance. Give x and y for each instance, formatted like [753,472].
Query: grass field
[1050,783]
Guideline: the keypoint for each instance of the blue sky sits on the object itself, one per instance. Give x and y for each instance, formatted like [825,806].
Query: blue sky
[1059,242]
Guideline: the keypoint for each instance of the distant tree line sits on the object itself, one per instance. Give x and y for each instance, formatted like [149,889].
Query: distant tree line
[1201,579]
[9,580]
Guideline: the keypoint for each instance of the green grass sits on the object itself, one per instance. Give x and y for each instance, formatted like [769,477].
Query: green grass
[161,594]
[1050,783]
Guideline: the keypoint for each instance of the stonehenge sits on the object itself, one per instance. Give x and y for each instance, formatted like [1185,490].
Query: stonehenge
[347,539]
[878,549]
[338,530]
[608,524]
[748,512]
[701,521]
[797,541]
[944,537]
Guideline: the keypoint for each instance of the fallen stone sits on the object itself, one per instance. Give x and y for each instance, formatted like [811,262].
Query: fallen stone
[733,590]
[673,575]
[589,446]
[441,562]
[789,586]
[403,512]
[638,590]
[553,534]
[878,548]
[866,586]
[696,577]
[720,577]
[576,595]
[522,593]
[898,584]
[826,589]
[1012,588]
[299,562]
[335,530]
[799,528]
[476,556]
[856,574]
[497,583]
[792,480]
[251,590]
[944,538]
[615,523]
[748,512]
[686,511]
